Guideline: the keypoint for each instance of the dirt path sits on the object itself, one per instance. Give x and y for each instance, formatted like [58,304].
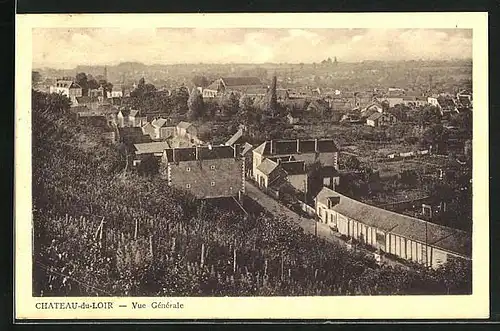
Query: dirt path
[309,225]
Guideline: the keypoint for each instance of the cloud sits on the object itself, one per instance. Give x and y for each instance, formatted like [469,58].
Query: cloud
[70,47]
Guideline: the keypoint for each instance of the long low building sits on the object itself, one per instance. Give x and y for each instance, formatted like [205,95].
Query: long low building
[404,236]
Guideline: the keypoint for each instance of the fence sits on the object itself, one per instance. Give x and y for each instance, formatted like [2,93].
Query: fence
[404,155]
[407,204]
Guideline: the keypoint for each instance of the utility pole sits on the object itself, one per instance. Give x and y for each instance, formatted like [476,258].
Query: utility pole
[426,262]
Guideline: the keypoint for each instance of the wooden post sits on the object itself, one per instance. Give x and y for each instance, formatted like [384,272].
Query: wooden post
[151,246]
[136,228]
[234,260]
[282,265]
[265,267]
[202,259]
[173,244]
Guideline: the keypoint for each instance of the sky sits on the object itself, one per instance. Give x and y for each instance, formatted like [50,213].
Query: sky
[66,48]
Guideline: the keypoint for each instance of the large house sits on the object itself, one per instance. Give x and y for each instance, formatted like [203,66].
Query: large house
[226,84]
[68,88]
[205,171]
[278,158]
[404,236]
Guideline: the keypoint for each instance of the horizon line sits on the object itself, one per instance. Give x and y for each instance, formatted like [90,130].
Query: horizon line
[38,66]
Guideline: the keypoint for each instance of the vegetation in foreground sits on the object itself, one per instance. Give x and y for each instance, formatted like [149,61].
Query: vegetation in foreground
[101,232]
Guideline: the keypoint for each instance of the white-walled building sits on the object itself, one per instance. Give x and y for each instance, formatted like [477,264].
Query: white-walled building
[404,236]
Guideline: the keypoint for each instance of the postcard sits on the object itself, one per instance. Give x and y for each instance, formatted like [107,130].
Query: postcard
[327,166]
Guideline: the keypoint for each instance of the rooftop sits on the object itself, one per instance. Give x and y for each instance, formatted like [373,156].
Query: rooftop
[442,237]
[267,166]
[151,148]
[158,123]
[285,147]
[241,81]
[67,84]
[234,138]
[184,125]
[199,153]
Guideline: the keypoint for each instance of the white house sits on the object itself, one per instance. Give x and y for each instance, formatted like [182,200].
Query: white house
[400,235]
[68,88]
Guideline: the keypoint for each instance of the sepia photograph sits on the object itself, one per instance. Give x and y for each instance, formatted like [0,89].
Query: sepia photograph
[215,162]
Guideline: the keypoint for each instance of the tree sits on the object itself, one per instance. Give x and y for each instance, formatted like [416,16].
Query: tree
[195,105]
[92,83]
[272,107]
[229,103]
[435,136]
[81,79]
[430,115]
[351,162]
[201,81]
[245,103]
[107,86]
[36,77]
[180,97]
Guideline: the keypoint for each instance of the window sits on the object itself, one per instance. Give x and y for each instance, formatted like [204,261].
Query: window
[188,169]
[212,183]
[188,185]
[212,167]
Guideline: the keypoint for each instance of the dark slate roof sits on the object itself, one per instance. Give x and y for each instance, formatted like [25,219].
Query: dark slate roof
[87,99]
[294,167]
[68,84]
[283,147]
[241,81]
[327,146]
[215,152]
[448,239]
[267,166]
[204,153]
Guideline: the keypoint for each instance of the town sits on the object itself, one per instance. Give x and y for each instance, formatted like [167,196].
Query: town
[374,157]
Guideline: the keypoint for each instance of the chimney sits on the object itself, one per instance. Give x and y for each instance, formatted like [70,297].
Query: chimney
[298,145]
[271,149]
[316,145]
[173,155]
[235,150]
[196,152]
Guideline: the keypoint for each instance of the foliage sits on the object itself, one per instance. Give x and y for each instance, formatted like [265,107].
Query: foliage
[36,77]
[82,80]
[349,162]
[101,231]
[195,105]
[201,81]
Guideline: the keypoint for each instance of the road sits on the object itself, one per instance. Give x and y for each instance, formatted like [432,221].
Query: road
[308,224]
